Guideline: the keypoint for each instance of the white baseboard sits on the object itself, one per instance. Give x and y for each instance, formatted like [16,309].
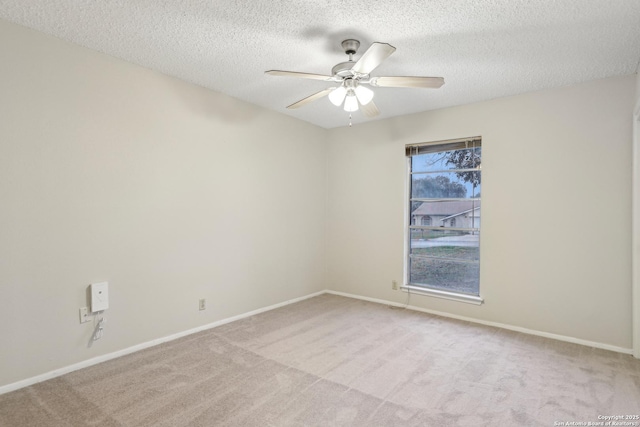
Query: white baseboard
[94,361]
[496,324]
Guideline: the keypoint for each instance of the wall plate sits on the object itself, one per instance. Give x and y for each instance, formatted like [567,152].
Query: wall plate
[99,296]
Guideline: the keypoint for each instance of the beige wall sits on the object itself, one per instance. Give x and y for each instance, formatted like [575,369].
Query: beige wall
[556,211]
[170,192]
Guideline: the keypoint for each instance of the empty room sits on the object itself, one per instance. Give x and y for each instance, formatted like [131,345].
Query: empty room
[329,213]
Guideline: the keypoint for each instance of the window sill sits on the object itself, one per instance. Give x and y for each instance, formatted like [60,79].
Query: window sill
[419,290]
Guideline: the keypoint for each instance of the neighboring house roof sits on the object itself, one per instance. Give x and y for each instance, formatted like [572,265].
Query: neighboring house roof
[448,209]
[461,213]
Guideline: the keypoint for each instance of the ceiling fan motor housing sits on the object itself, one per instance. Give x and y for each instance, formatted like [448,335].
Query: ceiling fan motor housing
[343,69]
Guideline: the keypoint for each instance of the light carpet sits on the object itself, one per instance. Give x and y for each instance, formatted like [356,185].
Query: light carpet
[336,361]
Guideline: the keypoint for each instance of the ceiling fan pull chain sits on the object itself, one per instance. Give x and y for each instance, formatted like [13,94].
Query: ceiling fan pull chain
[349,119]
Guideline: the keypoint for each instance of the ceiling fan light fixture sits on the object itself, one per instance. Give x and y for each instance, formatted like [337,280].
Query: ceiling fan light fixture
[351,102]
[364,95]
[350,75]
[337,96]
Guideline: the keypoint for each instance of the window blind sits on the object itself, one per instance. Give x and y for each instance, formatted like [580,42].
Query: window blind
[448,145]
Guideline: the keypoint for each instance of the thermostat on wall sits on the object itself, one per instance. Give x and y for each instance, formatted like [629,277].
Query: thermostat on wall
[99,296]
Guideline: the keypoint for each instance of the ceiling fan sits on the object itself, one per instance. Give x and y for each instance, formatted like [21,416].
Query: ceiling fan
[351,93]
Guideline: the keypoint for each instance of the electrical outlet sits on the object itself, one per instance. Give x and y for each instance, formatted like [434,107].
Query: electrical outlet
[202,304]
[84,315]
[394,285]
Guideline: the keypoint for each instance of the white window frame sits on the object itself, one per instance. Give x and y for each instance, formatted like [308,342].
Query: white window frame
[422,290]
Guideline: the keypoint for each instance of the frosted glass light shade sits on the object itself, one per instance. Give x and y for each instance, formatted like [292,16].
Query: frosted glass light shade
[350,103]
[337,95]
[365,95]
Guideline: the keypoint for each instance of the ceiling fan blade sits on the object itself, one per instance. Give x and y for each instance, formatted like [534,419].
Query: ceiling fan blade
[310,98]
[425,82]
[299,75]
[373,57]
[370,109]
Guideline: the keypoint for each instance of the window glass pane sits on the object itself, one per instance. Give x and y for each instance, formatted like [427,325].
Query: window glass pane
[460,277]
[446,244]
[445,160]
[460,185]
[445,255]
[447,214]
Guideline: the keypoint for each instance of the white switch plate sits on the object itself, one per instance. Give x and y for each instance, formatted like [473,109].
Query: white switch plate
[99,296]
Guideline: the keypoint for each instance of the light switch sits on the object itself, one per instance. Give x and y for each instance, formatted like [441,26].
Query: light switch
[99,296]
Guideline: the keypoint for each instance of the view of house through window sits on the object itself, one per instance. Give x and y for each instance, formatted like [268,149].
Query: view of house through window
[444,209]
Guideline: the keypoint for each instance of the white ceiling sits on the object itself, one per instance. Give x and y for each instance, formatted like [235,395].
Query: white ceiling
[484,49]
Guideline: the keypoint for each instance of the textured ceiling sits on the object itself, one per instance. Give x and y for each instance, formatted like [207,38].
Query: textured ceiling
[484,49]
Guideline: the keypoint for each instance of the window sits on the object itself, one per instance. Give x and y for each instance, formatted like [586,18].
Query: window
[443,251]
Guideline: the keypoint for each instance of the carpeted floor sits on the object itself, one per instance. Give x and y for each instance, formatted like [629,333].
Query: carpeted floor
[334,361]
